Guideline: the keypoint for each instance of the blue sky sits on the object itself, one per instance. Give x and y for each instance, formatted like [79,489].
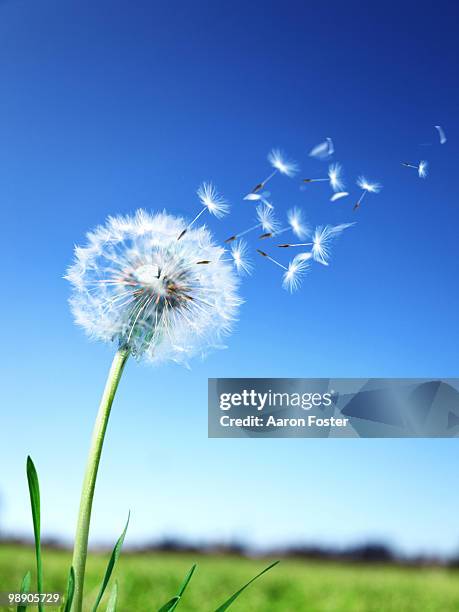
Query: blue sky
[107,107]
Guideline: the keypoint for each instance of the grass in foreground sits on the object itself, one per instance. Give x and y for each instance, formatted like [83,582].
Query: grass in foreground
[148,581]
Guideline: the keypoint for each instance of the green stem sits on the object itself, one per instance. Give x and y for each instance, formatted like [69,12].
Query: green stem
[80,550]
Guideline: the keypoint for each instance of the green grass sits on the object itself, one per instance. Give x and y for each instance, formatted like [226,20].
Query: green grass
[148,581]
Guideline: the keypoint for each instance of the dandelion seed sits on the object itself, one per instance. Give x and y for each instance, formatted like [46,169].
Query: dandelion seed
[261,197]
[211,201]
[334,178]
[296,224]
[280,164]
[323,150]
[321,241]
[292,274]
[367,187]
[135,284]
[293,277]
[339,195]
[441,134]
[278,161]
[422,167]
[239,254]
[265,220]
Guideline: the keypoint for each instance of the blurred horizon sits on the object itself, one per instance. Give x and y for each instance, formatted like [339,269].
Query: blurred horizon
[107,107]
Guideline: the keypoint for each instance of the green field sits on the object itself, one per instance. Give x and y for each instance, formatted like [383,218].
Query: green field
[148,581]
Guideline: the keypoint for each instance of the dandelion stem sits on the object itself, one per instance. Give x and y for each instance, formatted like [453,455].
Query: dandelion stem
[87,494]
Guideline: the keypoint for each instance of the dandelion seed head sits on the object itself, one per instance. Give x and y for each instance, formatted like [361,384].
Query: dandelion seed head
[423,169]
[293,277]
[267,219]
[297,222]
[335,175]
[239,254]
[212,200]
[363,183]
[135,284]
[285,166]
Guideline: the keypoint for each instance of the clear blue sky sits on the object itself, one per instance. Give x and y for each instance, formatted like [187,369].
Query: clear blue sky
[109,106]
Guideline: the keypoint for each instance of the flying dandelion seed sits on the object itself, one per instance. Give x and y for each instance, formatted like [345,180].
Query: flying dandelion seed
[296,224]
[339,195]
[321,241]
[240,259]
[367,187]
[259,197]
[422,168]
[334,178]
[293,277]
[280,164]
[293,274]
[441,134]
[137,285]
[211,201]
[266,220]
[324,150]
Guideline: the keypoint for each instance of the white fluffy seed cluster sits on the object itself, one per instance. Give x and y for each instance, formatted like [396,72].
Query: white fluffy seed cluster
[136,284]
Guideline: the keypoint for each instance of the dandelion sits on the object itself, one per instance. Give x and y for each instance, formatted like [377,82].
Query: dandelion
[293,273]
[321,241]
[334,178]
[265,220]
[441,134]
[296,224]
[137,286]
[211,201]
[422,167]
[280,164]
[323,150]
[367,187]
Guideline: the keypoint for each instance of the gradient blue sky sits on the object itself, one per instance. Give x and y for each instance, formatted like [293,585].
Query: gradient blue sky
[109,106]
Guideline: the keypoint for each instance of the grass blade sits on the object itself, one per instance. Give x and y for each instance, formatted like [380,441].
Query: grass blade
[174,602]
[25,588]
[111,605]
[170,605]
[34,490]
[70,590]
[111,564]
[186,580]
[231,600]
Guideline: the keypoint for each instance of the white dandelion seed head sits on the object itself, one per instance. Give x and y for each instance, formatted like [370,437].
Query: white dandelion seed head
[296,221]
[335,176]
[137,285]
[423,169]
[363,183]
[241,261]
[212,200]
[285,166]
[267,219]
[293,276]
